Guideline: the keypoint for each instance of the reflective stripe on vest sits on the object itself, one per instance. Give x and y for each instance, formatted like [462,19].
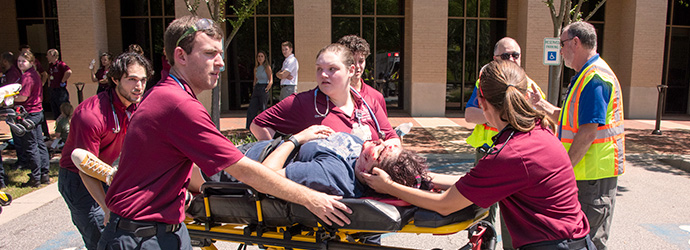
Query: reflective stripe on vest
[482,133]
[606,156]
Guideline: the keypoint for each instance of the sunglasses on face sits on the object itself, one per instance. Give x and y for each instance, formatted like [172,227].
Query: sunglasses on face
[201,24]
[506,56]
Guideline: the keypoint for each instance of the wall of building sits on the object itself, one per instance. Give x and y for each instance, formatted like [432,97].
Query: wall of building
[312,32]
[9,34]
[425,60]
[634,42]
[83,36]
[533,25]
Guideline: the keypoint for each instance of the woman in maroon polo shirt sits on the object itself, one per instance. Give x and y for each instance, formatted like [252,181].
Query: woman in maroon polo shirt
[332,104]
[527,171]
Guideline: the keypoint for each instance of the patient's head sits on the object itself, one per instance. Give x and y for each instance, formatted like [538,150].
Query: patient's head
[403,166]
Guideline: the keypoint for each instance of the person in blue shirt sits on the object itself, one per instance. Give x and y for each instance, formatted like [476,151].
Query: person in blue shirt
[332,162]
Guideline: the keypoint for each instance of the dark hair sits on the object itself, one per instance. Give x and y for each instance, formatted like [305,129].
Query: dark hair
[408,169]
[504,85]
[179,27]
[288,44]
[24,46]
[8,56]
[345,54]
[66,109]
[135,48]
[28,55]
[266,63]
[107,55]
[119,67]
[585,32]
[355,44]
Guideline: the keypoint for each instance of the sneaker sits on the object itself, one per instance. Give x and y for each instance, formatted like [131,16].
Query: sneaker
[45,179]
[31,183]
[89,164]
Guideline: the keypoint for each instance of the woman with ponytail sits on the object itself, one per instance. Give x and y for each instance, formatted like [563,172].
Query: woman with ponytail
[526,170]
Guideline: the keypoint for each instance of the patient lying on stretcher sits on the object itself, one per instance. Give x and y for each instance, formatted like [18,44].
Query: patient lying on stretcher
[333,162]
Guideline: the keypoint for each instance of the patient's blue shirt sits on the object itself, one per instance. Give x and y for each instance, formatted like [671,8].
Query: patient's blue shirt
[326,165]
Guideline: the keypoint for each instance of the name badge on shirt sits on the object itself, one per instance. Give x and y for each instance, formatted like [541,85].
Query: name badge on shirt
[361,131]
[51,78]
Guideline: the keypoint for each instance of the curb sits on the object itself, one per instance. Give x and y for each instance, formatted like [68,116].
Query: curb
[29,202]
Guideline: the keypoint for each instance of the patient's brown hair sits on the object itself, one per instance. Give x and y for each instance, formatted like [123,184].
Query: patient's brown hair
[408,169]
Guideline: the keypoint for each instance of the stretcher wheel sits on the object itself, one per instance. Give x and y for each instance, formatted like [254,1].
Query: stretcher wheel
[482,236]
[5,199]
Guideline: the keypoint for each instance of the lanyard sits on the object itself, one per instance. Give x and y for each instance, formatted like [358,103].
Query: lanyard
[178,81]
[378,127]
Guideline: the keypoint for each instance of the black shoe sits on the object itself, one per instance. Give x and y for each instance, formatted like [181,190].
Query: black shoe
[45,179]
[31,183]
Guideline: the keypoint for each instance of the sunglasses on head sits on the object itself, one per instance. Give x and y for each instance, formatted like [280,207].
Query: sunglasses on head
[201,24]
[506,56]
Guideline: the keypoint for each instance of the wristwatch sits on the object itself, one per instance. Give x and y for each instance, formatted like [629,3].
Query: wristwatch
[292,139]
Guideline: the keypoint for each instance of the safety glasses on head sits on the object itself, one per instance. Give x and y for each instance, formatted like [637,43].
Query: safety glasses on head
[507,55]
[200,25]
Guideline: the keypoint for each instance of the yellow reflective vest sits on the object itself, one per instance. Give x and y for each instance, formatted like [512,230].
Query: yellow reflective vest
[605,158]
[483,133]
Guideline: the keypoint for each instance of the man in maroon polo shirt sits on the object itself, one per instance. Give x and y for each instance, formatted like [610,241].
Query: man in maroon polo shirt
[99,125]
[360,50]
[58,74]
[10,72]
[170,132]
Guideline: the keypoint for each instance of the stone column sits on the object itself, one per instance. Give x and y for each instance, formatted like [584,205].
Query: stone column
[425,57]
[83,36]
[312,32]
[634,36]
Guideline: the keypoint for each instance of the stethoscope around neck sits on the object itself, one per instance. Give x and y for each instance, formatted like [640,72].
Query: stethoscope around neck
[116,128]
[328,107]
[491,150]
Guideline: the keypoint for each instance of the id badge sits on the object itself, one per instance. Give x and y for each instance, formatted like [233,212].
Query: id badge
[361,131]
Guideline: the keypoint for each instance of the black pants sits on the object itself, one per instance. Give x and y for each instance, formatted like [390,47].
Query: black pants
[57,97]
[258,102]
[34,149]
[577,244]
[116,238]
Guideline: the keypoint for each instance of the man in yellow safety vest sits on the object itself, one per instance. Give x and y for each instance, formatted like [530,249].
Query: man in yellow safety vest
[591,127]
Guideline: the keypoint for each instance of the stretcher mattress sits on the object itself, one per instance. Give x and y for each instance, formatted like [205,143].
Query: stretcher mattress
[232,203]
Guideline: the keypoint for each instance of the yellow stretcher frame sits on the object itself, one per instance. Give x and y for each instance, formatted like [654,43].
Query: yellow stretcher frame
[203,234]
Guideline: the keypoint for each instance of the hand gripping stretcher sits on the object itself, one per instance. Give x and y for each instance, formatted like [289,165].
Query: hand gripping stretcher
[228,211]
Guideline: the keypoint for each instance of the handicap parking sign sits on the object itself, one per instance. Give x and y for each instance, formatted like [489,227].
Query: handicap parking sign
[552,47]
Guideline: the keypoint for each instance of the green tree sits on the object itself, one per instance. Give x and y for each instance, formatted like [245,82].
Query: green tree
[243,10]
[562,15]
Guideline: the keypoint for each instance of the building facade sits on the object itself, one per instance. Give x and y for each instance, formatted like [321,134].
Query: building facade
[425,55]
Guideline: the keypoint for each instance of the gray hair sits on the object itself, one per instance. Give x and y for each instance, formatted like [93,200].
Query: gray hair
[583,31]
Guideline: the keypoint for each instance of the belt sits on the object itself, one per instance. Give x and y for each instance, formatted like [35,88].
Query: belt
[145,228]
[550,245]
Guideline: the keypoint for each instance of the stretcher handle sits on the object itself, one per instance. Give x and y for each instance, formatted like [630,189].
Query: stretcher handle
[225,185]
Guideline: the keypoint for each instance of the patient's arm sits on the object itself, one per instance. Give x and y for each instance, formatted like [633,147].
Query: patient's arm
[444,203]
[276,160]
[196,181]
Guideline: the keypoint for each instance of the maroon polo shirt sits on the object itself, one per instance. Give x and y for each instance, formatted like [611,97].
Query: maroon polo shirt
[55,73]
[12,75]
[92,128]
[33,89]
[534,183]
[296,113]
[373,97]
[102,73]
[170,130]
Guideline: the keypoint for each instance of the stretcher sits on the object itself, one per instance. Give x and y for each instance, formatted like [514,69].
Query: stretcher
[227,211]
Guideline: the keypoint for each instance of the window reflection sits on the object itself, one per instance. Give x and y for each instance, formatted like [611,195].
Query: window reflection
[381,23]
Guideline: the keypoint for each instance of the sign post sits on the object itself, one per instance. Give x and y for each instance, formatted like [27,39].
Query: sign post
[552,55]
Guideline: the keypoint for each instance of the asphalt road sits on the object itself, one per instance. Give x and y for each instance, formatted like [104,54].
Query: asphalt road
[652,212]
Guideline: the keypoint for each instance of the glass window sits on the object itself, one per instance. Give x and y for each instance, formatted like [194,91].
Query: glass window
[134,7]
[471,40]
[143,22]
[264,31]
[29,8]
[381,23]
[680,12]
